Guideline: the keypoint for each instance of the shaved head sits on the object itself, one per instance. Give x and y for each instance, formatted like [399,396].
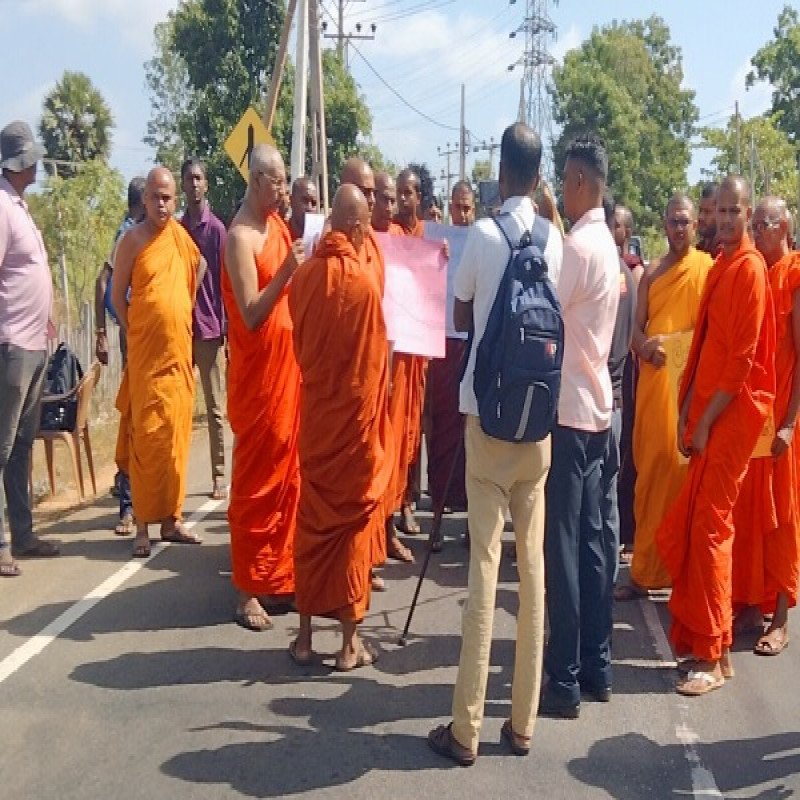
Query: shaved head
[409,177]
[733,212]
[385,202]
[409,197]
[266,191]
[772,229]
[159,196]
[263,157]
[735,184]
[383,181]
[680,225]
[680,200]
[357,172]
[350,214]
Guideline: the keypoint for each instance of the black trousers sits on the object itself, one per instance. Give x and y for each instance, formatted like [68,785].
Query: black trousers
[577,573]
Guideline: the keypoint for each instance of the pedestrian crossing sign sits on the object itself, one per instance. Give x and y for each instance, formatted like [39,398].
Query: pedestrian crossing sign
[249,132]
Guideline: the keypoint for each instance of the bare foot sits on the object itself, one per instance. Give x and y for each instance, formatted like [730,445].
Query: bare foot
[250,614]
[350,659]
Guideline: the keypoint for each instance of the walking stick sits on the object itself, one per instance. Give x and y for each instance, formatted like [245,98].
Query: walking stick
[433,539]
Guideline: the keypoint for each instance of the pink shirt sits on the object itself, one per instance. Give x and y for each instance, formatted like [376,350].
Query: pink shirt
[26,287]
[588,288]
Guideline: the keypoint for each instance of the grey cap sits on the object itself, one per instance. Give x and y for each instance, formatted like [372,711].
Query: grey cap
[18,149]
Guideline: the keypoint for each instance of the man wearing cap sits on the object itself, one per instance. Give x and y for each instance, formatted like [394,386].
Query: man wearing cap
[26,296]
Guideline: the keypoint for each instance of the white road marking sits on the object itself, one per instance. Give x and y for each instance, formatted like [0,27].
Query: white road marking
[703,783]
[25,652]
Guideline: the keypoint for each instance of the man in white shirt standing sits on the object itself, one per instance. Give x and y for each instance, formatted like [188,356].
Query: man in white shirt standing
[579,590]
[500,475]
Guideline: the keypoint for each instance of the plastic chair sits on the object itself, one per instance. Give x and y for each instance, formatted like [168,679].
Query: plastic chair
[79,434]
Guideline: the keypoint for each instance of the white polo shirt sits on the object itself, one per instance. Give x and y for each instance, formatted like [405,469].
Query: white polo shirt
[482,266]
[588,289]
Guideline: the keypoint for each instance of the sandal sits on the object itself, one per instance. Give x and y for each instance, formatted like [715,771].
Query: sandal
[305,661]
[408,524]
[9,569]
[378,583]
[126,525]
[257,621]
[141,547]
[772,643]
[520,745]
[220,491]
[180,535]
[442,741]
[397,550]
[698,683]
[366,657]
[39,549]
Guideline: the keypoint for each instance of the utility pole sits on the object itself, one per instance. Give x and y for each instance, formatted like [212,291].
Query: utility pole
[539,30]
[491,147]
[299,121]
[450,150]
[319,150]
[738,141]
[343,38]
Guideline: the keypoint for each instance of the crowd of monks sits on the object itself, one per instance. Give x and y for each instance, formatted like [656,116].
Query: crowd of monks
[328,420]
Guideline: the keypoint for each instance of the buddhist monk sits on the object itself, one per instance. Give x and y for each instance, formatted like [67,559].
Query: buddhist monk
[263,392]
[161,265]
[407,391]
[445,441]
[725,397]
[668,303]
[303,200]
[345,444]
[358,173]
[766,516]
[385,209]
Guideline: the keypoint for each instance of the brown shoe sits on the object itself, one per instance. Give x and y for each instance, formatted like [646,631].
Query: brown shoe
[442,741]
[39,549]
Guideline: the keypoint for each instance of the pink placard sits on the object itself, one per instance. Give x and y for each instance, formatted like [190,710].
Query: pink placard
[415,299]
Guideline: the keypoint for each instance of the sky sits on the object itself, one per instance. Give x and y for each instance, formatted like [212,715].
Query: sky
[410,74]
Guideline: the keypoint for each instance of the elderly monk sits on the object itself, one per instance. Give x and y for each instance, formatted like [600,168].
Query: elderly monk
[407,391]
[725,398]
[385,208]
[766,515]
[161,265]
[263,392]
[445,444]
[668,303]
[345,444]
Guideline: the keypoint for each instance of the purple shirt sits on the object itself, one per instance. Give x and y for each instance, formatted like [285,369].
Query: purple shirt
[208,317]
[26,287]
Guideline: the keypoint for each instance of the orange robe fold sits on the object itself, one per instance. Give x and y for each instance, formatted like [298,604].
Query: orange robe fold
[405,408]
[345,443]
[765,547]
[673,303]
[263,400]
[732,351]
[157,391]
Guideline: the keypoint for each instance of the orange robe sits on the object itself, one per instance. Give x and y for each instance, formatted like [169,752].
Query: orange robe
[732,351]
[345,442]
[263,399]
[673,302]
[766,516]
[405,407]
[157,391]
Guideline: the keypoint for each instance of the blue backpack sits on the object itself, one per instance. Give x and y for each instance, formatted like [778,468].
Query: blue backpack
[518,362]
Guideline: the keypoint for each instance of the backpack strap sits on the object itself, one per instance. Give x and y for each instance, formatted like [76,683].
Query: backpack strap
[540,232]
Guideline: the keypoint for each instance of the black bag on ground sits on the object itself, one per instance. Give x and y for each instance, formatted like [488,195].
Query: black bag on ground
[518,362]
[64,373]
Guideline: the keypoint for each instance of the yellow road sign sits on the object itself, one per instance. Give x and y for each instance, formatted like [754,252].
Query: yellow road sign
[249,132]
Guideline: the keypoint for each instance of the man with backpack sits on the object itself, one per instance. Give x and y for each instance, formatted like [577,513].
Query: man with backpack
[503,474]
[579,587]
[26,296]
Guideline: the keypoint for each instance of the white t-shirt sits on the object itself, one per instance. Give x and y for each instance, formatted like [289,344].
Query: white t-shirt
[482,266]
[588,290]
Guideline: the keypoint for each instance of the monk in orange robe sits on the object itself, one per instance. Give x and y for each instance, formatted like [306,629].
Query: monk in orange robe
[725,398]
[345,443]
[161,265]
[263,392]
[766,516]
[385,208]
[668,303]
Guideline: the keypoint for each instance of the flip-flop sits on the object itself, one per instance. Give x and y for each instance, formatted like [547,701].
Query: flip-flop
[179,535]
[367,656]
[398,551]
[520,745]
[301,662]
[126,526]
[764,646]
[697,684]
[257,621]
[10,569]
[442,742]
[141,549]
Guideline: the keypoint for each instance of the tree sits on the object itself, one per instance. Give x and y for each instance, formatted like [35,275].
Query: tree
[76,122]
[773,155]
[481,170]
[625,84]
[80,214]
[779,63]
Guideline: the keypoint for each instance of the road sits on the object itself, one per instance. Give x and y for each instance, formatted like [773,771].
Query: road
[123,679]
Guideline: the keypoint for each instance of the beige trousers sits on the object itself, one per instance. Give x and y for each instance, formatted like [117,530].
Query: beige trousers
[206,357]
[500,476]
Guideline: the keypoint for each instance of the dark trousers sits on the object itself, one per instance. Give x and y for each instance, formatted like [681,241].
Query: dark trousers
[609,498]
[576,566]
[22,374]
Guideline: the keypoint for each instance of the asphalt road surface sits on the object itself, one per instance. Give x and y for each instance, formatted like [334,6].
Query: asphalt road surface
[122,679]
